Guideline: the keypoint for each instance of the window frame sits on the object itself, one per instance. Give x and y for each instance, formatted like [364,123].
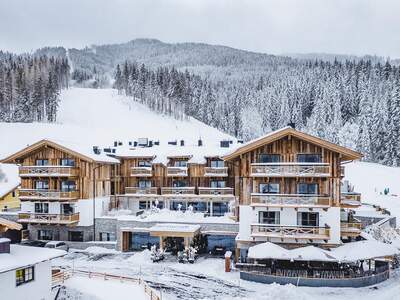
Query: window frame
[40,162]
[70,187]
[269,220]
[25,272]
[44,182]
[144,164]
[305,155]
[269,185]
[217,163]
[308,184]
[43,207]
[308,220]
[272,157]
[68,160]
[220,184]
[148,184]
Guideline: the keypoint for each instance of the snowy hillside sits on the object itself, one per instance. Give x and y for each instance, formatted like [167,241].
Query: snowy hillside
[101,116]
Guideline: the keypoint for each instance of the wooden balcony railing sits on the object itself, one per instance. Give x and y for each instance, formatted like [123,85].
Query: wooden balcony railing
[296,200]
[351,196]
[216,172]
[38,218]
[177,191]
[290,170]
[350,228]
[33,194]
[141,191]
[177,171]
[48,171]
[215,191]
[141,171]
[293,232]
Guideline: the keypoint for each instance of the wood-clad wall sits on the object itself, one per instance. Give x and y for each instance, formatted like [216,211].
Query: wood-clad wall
[84,181]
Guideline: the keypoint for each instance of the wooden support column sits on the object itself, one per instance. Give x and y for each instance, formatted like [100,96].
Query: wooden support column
[161,243]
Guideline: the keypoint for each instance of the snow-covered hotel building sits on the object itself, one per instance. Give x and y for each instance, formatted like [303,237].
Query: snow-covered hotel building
[284,187]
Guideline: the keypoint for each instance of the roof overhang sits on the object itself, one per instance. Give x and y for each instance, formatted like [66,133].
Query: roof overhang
[7,224]
[346,153]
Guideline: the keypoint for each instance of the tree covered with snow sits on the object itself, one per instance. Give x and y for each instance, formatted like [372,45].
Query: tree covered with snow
[30,87]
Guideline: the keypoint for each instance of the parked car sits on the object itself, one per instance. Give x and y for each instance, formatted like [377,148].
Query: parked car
[33,243]
[57,245]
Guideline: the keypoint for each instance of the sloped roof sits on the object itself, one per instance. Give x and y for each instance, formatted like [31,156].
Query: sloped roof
[11,180]
[82,152]
[10,224]
[347,154]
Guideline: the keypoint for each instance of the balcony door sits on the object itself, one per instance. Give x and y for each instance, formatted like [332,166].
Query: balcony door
[144,184]
[217,184]
[269,188]
[67,162]
[309,158]
[308,219]
[144,163]
[269,217]
[217,164]
[179,183]
[68,186]
[67,209]
[307,188]
[41,208]
[180,163]
[269,158]
[42,184]
[42,162]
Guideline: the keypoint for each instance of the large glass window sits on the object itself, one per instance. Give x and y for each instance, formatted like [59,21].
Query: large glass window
[45,235]
[68,186]
[218,184]
[179,183]
[269,217]
[42,162]
[180,163]
[217,163]
[106,236]
[69,162]
[176,205]
[308,219]
[220,208]
[42,184]
[67,209]
[143,204]
[198,206]
[144,163]
[41,208]
[24,275]
[143,184]
[307,188]
[269,158]
[309,158]
[75,236]
[269,188]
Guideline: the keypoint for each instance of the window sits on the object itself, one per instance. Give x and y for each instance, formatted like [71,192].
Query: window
[218,184]
[68,186]
[269,158]
[158,204]
[308,219]
[68,162]
[67,209]
[176,204]
[269,217]
[269,188]
[198,206]
[143,184]
[309,158]
[220,208]
[13,194]
[307,188]
[75,236]
[106,236]
[42,184]
[180,163]
[44,234]
[142,204]
[42,162]
[178,183]
[217,164]
[144,163]
[24,275]
[41,208]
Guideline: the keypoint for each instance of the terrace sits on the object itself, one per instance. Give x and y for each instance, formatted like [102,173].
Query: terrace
[296,169]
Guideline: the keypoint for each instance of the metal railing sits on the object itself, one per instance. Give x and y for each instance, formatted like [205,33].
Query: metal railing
[215,191]
[141,191]
[48,171]
[282,231]
[177,171]
[215,171]
[177,191]
[290,169]
[45,218]
[141,172]
[25,194]
[290,200]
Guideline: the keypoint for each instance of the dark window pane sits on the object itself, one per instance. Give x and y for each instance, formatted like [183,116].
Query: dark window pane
[310,158]
[269,158]
[269,217]
[269,188]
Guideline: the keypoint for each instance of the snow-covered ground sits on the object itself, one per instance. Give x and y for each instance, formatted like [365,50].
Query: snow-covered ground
[99,117]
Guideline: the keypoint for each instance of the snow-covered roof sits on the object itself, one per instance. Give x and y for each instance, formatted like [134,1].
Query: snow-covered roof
[22,256]
[174,227]
[11,179]
[349,252]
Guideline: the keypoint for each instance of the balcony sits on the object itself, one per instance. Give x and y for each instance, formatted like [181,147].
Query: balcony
[290,232]
[177,171]
[56,219]
[48,195]
[290,170]
[350,200]
[352,229]
[141,172]
[48,171]
[141,191]
[215,172]
[206,191]
[177,191]
[289,200]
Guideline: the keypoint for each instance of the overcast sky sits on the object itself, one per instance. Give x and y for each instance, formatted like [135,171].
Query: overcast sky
[272,26]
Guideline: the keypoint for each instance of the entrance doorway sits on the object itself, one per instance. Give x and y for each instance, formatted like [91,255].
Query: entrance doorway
[174,244]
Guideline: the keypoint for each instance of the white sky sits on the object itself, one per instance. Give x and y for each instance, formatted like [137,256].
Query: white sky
[272,26]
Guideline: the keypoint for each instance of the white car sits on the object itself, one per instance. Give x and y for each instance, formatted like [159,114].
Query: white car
[57,245]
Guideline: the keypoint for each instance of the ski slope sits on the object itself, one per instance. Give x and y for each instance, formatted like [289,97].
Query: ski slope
[100,117]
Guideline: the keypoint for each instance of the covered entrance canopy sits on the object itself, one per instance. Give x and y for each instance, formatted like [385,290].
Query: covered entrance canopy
[164,230]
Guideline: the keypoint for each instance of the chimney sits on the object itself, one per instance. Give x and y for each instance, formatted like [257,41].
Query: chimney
[4,245]
[292,124]
[182,143]
[200,143]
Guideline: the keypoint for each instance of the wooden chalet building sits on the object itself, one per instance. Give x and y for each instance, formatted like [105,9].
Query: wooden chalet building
[289,188]
[58,184]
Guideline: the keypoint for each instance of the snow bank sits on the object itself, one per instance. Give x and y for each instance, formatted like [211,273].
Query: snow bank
[100,250]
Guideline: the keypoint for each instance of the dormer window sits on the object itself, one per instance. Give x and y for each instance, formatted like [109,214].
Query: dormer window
[269,158]
[309,158]
[42,162]
[217,163]
[144,163]
[180,163]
